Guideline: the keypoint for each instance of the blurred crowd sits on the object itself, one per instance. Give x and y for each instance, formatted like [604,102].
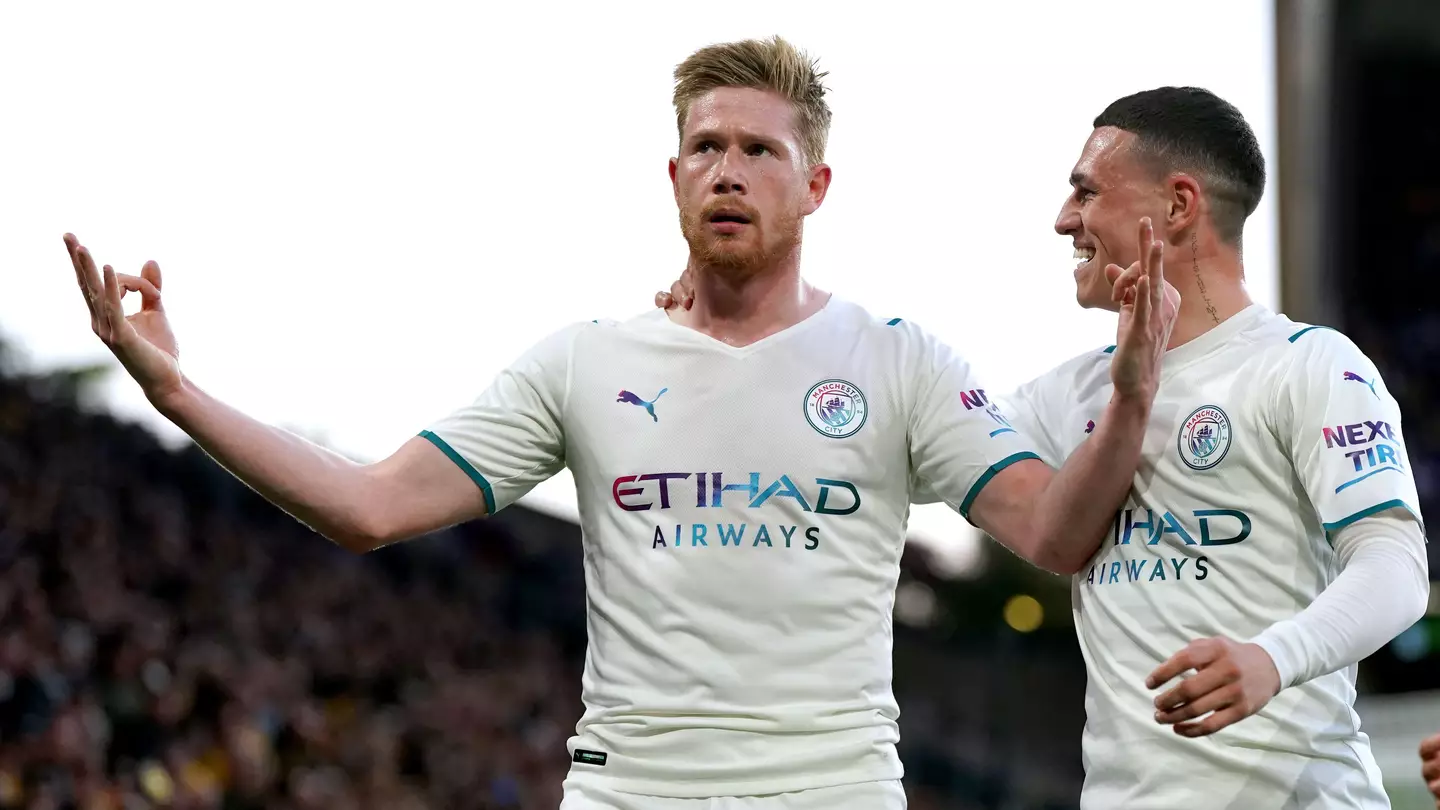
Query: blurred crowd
[167,639]
[1388,243]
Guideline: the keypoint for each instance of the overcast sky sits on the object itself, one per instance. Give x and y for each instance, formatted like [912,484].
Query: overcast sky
[364,211]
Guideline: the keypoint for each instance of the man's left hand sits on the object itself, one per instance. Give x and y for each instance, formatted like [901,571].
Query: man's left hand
[1231,682]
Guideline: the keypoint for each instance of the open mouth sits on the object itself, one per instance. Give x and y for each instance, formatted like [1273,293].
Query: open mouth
[729,217]
[1083,255]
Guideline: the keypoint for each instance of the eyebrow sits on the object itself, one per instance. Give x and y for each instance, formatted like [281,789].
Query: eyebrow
[703,135]
[1080,179]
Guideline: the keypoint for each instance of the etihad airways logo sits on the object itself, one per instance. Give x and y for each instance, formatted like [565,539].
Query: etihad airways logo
[657,491]
[641,492]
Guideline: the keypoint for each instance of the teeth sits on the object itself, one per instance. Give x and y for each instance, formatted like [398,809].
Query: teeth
[1085,253]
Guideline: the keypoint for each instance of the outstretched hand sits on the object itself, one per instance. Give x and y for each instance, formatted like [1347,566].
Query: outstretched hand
[1148,309]
[143,343]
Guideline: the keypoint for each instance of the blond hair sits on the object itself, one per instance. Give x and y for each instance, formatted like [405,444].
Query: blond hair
[771,64]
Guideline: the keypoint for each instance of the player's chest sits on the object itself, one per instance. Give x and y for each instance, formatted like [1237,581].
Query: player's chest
[774,415]
[1206,433]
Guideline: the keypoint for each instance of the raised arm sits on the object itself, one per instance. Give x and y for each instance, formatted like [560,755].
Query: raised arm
[1056,519]
[357,506]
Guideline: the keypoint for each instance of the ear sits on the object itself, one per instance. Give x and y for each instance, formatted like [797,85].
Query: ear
[1186,199]
[674,182]
[819,186]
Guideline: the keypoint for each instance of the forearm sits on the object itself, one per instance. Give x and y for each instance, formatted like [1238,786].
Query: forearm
[1074,511]
[318,487]
[1382,591]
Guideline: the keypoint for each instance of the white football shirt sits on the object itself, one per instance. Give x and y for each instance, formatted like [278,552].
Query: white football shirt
[1266,436]
[743,513]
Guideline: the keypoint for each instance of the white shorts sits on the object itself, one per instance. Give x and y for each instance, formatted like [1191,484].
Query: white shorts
[889,795]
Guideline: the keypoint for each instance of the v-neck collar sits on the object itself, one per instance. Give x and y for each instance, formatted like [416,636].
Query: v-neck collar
[700,338]
[1203,344]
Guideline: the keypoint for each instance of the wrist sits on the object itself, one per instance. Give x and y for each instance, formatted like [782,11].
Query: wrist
[1129,409]
[1277,642]
[173,401]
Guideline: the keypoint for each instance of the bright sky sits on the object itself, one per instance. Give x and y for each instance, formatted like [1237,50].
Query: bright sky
[365,211]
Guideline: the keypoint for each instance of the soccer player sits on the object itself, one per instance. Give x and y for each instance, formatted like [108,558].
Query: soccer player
[743,471]
[1273,536]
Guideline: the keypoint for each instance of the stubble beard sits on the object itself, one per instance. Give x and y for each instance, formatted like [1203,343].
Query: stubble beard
[739,257]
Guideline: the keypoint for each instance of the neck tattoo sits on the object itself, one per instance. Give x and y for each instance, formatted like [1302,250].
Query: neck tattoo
[1200,282]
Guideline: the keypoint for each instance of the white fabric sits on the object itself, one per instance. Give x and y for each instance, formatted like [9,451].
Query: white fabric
[1382,589]
[888,795]
[741,551]
[1266,438]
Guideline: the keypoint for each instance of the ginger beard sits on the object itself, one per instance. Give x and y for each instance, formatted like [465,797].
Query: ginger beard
[754,247]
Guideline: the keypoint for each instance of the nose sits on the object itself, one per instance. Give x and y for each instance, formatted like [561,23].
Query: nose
[729,177]
[1069,220]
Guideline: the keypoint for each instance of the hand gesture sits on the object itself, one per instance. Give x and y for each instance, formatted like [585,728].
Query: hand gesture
[1430,767]
[1147,315]
[681,294]
[143,342]
[1231,682]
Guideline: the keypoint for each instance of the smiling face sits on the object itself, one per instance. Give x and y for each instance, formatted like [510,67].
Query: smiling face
[1111,190]
[742,182]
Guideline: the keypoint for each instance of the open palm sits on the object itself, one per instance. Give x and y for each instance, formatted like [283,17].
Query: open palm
[1149,306]
[143,343]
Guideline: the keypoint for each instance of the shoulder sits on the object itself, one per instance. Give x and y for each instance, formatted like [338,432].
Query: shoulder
[1075,374]
[1310,353]
[1314,341]
[896,333]
[554,350]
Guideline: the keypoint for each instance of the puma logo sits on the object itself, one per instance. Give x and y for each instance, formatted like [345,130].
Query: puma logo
[626,396]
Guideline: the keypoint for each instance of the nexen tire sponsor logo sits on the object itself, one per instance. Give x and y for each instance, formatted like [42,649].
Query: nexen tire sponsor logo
[1363,447]
[666,490]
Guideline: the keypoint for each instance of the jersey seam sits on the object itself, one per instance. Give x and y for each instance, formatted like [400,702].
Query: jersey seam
[991,472]
[476,477]
[1368,511]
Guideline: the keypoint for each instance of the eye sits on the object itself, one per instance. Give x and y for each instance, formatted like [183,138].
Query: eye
[759,150]
[1083,194]
[705,146]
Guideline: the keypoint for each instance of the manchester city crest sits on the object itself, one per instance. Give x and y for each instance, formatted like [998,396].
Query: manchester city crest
[835,408]
[1204,438]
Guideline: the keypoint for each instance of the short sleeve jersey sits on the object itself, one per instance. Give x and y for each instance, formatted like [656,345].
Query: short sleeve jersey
[1266,436]
[743,513]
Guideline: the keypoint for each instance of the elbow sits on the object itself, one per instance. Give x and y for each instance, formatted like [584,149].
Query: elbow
[1069,567]
[362,528]
[356,539]
[369,532]
[1056,553]
[357,544]
[1065,566]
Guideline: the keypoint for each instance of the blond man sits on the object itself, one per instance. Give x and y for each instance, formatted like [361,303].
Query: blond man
[743,470]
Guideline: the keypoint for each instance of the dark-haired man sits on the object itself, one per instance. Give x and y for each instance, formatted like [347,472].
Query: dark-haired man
[1272,538]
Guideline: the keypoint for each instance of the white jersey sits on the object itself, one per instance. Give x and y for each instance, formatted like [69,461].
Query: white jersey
[1266,436]
[743,513]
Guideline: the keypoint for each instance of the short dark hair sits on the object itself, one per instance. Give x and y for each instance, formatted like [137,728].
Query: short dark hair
[1193,130]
